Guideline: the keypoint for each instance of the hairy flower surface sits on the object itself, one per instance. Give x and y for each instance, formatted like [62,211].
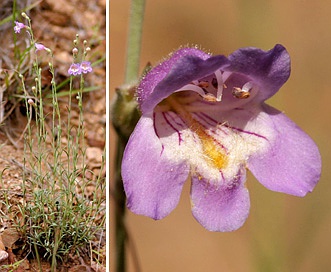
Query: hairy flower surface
[18,27]
[205,117]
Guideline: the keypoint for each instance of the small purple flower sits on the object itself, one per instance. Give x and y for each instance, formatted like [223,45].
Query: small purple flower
[40,47]
[205,117]
[18,27]
[75,69]
[85,67]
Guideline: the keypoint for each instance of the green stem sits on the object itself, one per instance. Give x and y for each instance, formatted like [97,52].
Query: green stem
[134,40]
[121,235]
[131,75]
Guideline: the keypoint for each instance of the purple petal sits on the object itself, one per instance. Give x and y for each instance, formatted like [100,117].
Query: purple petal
[39,47]
[220,208]
[153,77]
[292,164]
[183,67]
[152,182]
[270,69]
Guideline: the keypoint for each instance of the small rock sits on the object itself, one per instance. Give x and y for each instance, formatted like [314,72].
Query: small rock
[94,155]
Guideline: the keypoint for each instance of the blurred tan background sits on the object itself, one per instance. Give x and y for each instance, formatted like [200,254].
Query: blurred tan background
[282,233]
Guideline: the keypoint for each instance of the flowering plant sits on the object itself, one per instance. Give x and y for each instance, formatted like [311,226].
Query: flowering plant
[79,68]
[205,117]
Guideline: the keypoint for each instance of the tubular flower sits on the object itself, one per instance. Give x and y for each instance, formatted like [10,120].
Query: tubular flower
[86,67]
[18,27]
[205,117]
[41,47]
[75,69]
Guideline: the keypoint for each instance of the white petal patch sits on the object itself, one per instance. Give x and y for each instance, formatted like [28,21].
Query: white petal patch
[215,144]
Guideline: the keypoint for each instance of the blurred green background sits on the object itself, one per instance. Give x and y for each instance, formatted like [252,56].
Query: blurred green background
[282,233]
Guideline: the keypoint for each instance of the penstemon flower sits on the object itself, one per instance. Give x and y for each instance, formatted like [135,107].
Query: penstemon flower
[41,47]
[205,117]
[79,68]
[18,27]
[75,69]
[86,67]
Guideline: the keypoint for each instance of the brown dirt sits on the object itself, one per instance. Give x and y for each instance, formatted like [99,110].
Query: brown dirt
[55,24]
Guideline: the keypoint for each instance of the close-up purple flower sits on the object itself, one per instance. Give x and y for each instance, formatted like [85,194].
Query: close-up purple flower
[86,67]
[205,117]
[18,27]
[75,69]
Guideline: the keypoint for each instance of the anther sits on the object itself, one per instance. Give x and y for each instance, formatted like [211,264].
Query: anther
[210,98]
[239,93]
[203,84]
[244,92]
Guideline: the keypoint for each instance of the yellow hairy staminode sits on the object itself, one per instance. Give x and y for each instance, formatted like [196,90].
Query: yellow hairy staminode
[213,153]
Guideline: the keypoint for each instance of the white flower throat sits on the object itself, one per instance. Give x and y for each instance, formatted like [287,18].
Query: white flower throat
[211,145]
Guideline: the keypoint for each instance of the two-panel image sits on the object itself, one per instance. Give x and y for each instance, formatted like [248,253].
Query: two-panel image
[164,136]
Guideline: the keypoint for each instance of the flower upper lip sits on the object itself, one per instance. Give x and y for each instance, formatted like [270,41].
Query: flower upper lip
[182,70]
[176,79]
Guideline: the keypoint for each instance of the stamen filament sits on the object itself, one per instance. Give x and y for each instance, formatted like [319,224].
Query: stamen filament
[220,81]
[192,87]
[247,86]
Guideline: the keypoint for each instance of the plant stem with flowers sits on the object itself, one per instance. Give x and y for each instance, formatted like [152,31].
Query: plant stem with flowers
[58,221]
